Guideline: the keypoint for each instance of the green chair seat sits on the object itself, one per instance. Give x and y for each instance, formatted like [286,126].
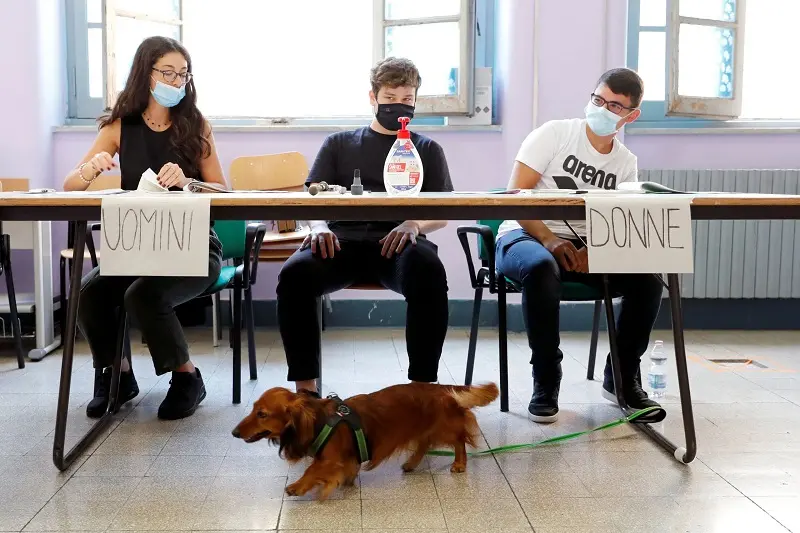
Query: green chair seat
[225,277]
[578,292]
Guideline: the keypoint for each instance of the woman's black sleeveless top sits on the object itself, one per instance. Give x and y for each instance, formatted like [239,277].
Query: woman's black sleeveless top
[141,148]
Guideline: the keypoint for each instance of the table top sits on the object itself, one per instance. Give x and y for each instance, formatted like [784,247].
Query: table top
[373,206]
[233,199]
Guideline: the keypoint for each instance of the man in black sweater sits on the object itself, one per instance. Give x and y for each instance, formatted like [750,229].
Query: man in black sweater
[396,254]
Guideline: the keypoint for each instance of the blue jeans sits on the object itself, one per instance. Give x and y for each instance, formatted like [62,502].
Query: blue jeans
[526,261]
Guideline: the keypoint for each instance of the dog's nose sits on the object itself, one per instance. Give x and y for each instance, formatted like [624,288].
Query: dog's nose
[236,433]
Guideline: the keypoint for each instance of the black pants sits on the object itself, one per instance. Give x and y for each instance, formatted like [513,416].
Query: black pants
[151,302]
[417,273]
[524,260]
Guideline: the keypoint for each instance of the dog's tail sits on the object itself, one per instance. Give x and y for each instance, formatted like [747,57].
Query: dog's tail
[474,395]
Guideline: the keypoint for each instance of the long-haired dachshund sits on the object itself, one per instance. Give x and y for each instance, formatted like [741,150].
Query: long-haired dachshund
[415,417]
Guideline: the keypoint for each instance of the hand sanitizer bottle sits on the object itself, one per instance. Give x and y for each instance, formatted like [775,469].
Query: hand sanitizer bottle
[402,172]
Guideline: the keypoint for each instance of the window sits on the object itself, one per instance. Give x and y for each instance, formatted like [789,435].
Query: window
[281,60]
[696,62]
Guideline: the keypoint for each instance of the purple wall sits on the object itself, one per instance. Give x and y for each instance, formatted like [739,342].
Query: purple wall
[576,40]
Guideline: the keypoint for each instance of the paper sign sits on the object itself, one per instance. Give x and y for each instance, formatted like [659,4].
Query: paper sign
[155,235]
[639,234]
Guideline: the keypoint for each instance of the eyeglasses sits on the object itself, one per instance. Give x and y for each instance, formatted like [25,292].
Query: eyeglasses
[614,107]
[171,75]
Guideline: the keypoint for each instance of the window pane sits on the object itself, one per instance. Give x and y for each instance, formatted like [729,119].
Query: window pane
[306,66]
[167,9]
[709,9]
[770,79]
[129,35]
[437,65]
[94,11]
[652,59]
[413,9]
[96,63]
[705,61]
[653,12]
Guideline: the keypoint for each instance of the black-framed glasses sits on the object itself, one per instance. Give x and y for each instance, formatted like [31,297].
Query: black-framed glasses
[614,107]
[171,75]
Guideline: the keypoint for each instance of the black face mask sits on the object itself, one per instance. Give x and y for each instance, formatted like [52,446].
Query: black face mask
[388,114]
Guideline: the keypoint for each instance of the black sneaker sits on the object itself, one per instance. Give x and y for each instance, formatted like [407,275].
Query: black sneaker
[635,397]
[128,390]
[543,408]
[185,393]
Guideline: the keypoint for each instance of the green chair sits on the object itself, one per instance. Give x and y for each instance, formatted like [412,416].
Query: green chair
[486,277]
[241,244]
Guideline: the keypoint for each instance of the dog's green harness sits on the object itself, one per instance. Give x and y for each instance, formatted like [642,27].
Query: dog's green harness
[342,414]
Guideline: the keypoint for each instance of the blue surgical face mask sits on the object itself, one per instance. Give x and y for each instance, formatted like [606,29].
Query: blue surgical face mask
[168,95]
[601,121]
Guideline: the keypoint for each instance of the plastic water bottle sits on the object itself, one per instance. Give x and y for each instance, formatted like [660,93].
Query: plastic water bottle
[657,376]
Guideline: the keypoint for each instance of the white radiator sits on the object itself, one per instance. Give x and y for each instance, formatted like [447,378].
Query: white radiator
[740,258]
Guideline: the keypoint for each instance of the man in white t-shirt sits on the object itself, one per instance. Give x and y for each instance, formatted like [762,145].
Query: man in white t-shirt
[541,254]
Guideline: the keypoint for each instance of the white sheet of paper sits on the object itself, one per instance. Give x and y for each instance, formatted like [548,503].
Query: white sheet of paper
[639,233]
[148,235]
[149,182]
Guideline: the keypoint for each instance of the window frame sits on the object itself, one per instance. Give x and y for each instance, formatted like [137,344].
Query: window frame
[654,119]
[431,110]
[693,106]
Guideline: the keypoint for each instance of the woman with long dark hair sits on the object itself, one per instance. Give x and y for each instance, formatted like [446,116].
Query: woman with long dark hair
[155,124]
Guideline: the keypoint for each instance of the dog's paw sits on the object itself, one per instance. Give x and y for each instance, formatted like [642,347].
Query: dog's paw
[409,467]
[296,489]
[457,468]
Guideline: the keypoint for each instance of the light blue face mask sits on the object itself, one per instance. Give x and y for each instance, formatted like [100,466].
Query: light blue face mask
[168,95]
[601,121]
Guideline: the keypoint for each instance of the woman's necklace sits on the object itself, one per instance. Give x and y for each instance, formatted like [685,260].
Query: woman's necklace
[155,125]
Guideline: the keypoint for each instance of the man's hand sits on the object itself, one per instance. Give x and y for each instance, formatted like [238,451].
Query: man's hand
[321,240]
[564,251]
[398,237]
[583,261]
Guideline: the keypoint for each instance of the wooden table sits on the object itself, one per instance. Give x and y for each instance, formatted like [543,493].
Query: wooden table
[433,206]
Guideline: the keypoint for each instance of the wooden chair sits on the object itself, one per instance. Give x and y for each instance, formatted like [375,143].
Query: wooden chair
[12,185]
[271,172]
[67,259]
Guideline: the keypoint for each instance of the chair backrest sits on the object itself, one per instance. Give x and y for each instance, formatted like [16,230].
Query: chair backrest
[15,184]
[231,234]
[286,171]
[494,225]
[104,182]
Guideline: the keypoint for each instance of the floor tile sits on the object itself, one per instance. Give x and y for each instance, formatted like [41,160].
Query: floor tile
[141,515]
[236,514]
[183,489]
[785,510]
[397,487]
[482,514]
[115,466]
[331,515]
[65,515]
[470,485]
[403,514]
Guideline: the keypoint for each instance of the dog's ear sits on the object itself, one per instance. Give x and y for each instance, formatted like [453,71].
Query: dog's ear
[298,434]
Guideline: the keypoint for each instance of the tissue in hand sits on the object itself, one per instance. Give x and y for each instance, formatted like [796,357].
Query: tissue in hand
[149,182]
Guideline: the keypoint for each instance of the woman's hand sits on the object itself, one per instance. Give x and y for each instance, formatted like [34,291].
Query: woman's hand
[171,175]
[102,162]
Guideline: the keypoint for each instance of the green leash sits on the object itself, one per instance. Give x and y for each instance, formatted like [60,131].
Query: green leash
[551,440]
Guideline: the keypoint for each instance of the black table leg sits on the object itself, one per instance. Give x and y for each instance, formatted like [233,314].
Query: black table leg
[683,454]
[60,459]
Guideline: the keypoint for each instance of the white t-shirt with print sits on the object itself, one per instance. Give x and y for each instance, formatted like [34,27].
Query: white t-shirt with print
[561,152]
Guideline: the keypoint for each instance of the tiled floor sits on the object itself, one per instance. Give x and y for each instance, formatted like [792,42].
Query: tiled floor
[191,475]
